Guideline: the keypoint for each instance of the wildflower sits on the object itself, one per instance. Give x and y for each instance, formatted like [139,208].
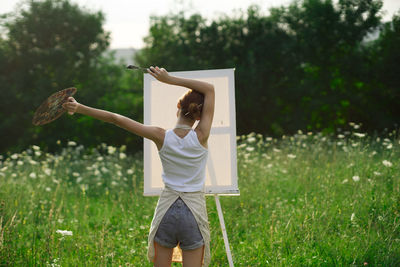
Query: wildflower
[309,133]
[79,179]
[268,139]
[276,150]
[32,175]
[142,227]
[341,136]
[47,171]
[58,142]
[96,172]
[100,158]
[104,169]
[64,232]
[377,173]
[71,143]
[250,148]
[387,163]
[119,173]
[14,156]
[129,171]
[38,153]
[48,189]
[111,150]
[389,146]
[345,181]
[269,165]
[352,217]
[251,139]
[20,163]
[32,162]
[75,174]
[356,178]
[122,155]
[291,156]
[36,148]
[339,143]
[361,135]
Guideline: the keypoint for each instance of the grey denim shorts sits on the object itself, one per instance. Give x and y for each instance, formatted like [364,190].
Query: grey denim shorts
[179,226]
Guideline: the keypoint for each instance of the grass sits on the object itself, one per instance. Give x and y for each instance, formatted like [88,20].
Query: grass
[306,200]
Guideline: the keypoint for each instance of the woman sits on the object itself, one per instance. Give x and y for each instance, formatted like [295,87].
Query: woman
[181,216]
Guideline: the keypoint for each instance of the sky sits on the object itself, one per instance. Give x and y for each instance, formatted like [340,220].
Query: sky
[128,20]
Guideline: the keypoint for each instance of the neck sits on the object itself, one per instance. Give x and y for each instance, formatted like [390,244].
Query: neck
[184,124]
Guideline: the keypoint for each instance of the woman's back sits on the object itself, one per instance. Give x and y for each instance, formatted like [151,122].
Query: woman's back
[184,161]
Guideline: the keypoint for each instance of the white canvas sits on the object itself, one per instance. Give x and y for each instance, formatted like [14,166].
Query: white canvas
[160,109]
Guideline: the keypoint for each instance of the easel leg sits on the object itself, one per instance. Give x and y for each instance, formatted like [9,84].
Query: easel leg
[222,223]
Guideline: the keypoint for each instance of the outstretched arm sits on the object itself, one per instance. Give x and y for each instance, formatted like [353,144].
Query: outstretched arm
[155,134]
[207,89]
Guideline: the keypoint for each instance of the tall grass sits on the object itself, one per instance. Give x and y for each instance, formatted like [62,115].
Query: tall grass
[306,200]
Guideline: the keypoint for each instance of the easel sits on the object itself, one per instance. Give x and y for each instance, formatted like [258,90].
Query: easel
[224,234]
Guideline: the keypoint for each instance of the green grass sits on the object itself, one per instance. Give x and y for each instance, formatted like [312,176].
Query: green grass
[301,204]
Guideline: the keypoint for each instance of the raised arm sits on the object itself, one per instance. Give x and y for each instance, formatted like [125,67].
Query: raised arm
[155,134]
[207,89]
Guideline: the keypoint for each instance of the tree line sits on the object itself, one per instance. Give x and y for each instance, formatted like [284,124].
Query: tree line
[311,65]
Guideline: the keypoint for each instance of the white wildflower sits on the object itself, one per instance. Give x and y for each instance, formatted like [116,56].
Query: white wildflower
[377,173]
[119,173]
[268,139]
[142,227]
[71,143]
[251,139]
[129,171]
[36,148]
[356,178]
[100,158]
[122,155]
[389,146]
[104,169]
[79,179]
[111,150]
[32,162]
[269,165]
[32,175]
[341,136]
[276,150]
[387,163]
[250,148]
[14,156]
[38,153]
[291,156]
[48,189]
[20,163]
[361,135]
[96,172]
[353,216]
[47,171]
[75,174]
[345,181]
[64,232]
[114,183]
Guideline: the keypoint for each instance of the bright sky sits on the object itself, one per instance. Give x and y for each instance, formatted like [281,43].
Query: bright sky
[128,20]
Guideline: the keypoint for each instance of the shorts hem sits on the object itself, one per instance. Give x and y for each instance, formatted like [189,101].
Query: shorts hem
[163,243]
[194,246]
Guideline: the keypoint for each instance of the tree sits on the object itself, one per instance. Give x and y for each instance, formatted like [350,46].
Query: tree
[51,45]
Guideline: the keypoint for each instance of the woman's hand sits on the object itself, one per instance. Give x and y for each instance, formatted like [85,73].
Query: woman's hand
[71,106]
[160,74]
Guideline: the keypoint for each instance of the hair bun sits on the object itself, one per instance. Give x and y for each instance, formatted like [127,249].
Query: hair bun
[193,108]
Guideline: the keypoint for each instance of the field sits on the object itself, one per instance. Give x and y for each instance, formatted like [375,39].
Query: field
[306,200]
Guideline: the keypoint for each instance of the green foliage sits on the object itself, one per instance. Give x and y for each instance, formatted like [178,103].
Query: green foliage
[52,45]
[304,66]
[305,200]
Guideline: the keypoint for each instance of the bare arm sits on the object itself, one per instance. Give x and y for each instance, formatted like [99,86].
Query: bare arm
[155,134]
[207,89]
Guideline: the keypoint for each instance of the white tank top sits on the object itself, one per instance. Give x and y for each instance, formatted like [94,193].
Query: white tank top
[183,161]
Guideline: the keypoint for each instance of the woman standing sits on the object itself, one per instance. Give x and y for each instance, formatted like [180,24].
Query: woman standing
[180,218]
